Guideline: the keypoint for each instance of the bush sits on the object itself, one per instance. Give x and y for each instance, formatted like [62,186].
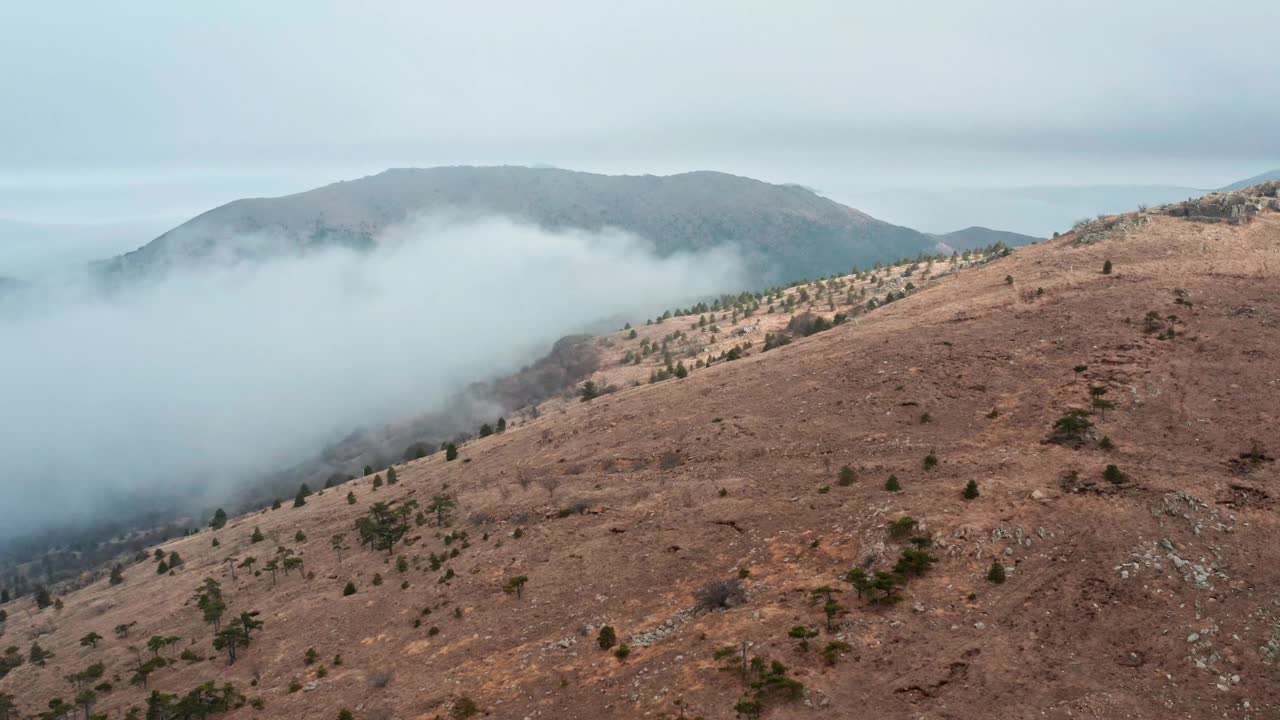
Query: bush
[970,490]
[892,484]
[1106,268]
[350,589]
[1071,429]
[607,637]
[450,452]
[902,527]
[1114,475]
[622,653]
[846,477]
[996,573]
[464,707]
[930,461]
[721,595]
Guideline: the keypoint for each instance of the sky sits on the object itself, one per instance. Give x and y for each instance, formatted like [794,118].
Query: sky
[146,112]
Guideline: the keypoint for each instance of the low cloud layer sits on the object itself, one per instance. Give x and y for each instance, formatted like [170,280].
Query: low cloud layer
[206,377]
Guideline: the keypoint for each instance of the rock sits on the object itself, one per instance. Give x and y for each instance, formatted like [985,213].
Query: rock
[311,686]
[1193,637]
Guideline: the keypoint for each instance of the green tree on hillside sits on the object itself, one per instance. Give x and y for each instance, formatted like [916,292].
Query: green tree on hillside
[219,519]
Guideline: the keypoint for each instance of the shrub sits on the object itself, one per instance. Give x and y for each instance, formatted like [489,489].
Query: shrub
[450,452]
[831,653]
[892,484]
[589,391]
[377,579]
[1106,268]
[970,490]
[846,477]
[351,497]
[996,573]
[930,461]
[622,653]
[902,527]
[721,595]
[1071,429]
[607,637]
[350,589]
[257,536]
[1114,475]
[300,536]
[464,707]
[345,714]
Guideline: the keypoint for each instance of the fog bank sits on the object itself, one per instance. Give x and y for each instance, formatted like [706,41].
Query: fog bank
[207,376]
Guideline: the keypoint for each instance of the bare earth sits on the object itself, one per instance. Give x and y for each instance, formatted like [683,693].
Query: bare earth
[1155,598]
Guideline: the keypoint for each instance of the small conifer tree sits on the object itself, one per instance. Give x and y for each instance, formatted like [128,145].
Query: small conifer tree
[996,573]
[970,490]
[892,484]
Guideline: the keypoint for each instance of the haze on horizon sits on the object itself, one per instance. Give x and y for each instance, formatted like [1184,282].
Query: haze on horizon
[148,113]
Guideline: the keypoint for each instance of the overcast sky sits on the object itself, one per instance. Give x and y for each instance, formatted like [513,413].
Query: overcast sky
[120,111]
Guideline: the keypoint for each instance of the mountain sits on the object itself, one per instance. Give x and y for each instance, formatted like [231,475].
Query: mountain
[1270,176]
[1015,486]
[784,231]
[973,238]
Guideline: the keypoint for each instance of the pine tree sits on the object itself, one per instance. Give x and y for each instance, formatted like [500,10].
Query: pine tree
[970,490]
[996,573]
[257,536]
[607,637]
[117,574]
[391,476]
[1106,268]
[515,585]
[892,484]
[450,452]
[301,498]
[350,589]
[351,497]
[219,519]
[502,425]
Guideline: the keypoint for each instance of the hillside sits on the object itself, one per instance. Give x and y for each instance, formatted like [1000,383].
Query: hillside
[977,237]
[711,522]
[784,231]
[1270,176]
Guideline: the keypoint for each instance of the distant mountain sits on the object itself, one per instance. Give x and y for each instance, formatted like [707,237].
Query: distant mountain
[972,238]
[784,231]
[1264,177]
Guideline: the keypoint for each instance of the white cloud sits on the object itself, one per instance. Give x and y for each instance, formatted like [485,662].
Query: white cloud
[207,376]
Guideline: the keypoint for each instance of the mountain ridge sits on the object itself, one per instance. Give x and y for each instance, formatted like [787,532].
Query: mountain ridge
[784,231]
